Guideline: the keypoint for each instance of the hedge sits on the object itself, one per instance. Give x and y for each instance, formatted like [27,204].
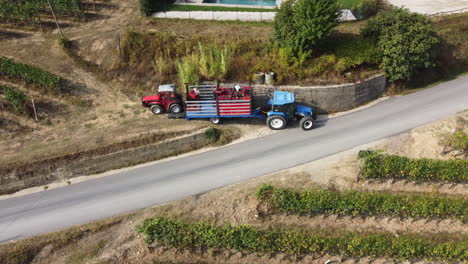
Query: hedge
[173,233]
[148,7]
[362,203]
[376,165]
[29,74]
[16,99]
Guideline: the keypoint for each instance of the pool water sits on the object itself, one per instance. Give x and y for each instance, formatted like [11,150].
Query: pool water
[243,2]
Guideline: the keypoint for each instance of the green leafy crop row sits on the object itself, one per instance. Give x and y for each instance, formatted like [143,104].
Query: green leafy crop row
[29,10]
[376,165]
[30,74]
[15,99]
[172,233]
[362,203]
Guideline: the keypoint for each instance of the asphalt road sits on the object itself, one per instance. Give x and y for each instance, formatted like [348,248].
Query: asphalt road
[166,181]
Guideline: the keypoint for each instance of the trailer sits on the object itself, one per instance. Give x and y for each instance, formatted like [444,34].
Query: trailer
[217,103]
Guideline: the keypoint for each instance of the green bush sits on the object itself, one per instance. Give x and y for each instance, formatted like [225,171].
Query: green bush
[299,26]
[214,61]
[30,74]
[16,99]
[188,70]
[407,42]
[361,203]
[365,8]
[213,134]
[148,7]
[459,140]
[172,233]
[376,165]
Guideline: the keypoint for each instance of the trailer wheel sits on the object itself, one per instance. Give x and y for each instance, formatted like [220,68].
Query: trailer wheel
[306,123]
[175,108]
[156,109]
[277,122]
[215,120]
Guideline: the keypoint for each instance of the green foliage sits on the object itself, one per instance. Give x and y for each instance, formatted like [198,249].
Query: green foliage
[30,74]
[214,61]
[459,140]
[16,99]
[213,134]
[188,70]
[365,8]
[357,51]
[376,165]
[25,10]
[65,42]
[407,41]
[299,26]
[361,203]
[148,7]
[172,233]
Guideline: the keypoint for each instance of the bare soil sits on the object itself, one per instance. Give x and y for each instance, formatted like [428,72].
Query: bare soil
[115,241]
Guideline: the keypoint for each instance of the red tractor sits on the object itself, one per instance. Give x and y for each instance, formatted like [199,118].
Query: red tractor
[166,100]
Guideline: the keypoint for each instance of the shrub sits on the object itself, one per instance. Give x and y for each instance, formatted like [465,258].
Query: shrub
[459,140]
[301,25]
[365,8]
[16,99]
[361,203]
[213,134]
[188,69]
[148,7]
[173,233]
[30,74]
[376,165]
[407,42]
[214,61]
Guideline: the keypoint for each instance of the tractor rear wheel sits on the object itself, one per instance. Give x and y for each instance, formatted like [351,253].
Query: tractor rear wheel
[306,123]
[175,108]
[156,109]
[277,122]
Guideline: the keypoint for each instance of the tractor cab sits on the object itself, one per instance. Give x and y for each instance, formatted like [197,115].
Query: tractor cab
[166,100]
[284,108]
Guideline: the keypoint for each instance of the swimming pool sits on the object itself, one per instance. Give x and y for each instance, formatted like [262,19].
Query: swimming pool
[243,2]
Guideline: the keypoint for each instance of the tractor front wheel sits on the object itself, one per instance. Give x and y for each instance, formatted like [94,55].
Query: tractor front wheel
[306,123]
[277,122]
[156,109]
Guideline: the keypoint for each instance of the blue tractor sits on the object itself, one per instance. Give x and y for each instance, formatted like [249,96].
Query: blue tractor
[284,109]
[282,106]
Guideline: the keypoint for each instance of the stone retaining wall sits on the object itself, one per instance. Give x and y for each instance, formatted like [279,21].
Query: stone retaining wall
[333,98]
[43,174]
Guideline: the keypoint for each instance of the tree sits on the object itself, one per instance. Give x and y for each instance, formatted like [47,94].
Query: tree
[407,42]
[301,25]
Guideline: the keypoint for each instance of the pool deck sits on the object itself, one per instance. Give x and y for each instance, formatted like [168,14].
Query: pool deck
[431,7]
[346,15]
[200,3]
